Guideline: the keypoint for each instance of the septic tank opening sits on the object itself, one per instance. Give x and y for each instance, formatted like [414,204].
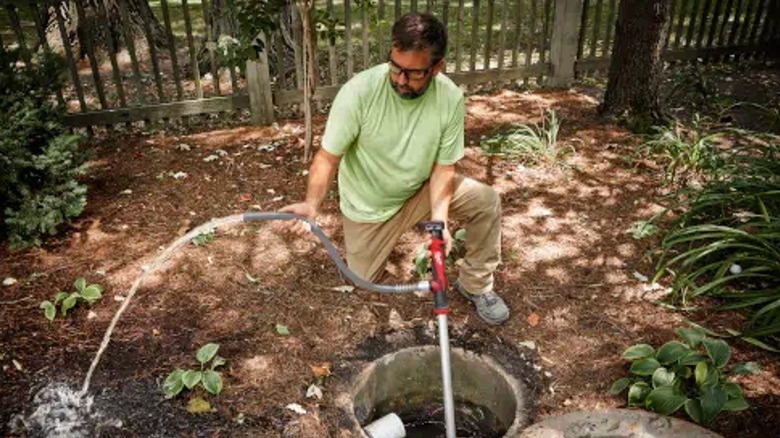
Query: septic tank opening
[488,401]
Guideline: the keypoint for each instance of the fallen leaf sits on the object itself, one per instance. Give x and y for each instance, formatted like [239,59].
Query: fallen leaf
[9,281]
[395,320]
[245,197]
[295,407]
[314,391]
[533,319]
[321,370]
[531,345]
[345,288]
[185,226]
[282,330]
[198,405]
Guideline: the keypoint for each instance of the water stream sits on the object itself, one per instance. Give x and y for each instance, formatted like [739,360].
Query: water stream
[149,269]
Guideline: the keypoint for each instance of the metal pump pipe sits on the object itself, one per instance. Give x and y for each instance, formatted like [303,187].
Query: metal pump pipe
[438,286]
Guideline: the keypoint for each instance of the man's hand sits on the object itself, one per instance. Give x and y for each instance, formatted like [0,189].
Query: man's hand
[299,227]
[321,173]
[447,241]
[303,209]
[447,237]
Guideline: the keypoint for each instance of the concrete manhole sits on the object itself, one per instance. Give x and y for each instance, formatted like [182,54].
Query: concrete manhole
[489,402]
[615,423]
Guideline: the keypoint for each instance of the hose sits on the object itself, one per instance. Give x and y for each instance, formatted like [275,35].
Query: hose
[334,254]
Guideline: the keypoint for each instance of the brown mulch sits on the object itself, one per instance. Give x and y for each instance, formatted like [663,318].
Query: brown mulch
[568,275]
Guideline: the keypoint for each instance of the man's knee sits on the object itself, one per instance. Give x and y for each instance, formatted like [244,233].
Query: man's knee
[475,199]
[486,197]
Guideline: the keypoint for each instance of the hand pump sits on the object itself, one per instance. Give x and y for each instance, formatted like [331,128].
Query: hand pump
[441,308]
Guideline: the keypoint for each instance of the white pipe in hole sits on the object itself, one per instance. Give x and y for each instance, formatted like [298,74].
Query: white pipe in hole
[389,426]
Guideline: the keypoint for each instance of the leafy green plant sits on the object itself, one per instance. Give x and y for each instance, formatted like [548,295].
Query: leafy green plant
[685,151]
[203,238]
[725,241]
[68,300]
[41,161]
[642,229]
[536,143]
[206,377]
[692,375]
[422,261]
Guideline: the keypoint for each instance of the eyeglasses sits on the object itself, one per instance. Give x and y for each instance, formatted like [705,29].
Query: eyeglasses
[412,74]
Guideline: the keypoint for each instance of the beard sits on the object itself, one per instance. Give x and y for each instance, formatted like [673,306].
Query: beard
[407,92]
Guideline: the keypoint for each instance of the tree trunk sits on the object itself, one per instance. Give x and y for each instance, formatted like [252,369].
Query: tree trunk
[636,67]
[309,76]
[138,13]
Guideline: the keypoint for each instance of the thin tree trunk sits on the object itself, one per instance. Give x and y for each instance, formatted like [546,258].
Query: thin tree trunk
[309,76]
[636,66]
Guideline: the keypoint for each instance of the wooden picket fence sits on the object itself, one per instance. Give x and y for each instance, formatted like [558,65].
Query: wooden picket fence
[123,80]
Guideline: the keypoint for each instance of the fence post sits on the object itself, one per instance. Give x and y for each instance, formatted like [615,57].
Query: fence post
[258,79]
[563,47]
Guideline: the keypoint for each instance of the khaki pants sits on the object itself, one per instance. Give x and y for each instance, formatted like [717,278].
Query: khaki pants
[475,205]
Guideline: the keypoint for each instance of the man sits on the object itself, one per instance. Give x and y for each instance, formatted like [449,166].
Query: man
[395,132]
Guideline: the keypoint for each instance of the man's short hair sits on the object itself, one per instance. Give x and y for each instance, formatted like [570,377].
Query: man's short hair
[420,31]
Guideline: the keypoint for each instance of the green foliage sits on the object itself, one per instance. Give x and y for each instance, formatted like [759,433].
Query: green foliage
[68,300]
[685,152]
[39,189]
[725,243]
[422,261]
[203,239]
[206,377]
[535,144]
[642,229]
[255,18]
[690,374]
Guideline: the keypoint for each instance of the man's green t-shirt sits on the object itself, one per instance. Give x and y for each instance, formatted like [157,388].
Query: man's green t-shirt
[388,144]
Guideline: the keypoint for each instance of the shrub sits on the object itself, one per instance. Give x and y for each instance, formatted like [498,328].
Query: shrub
[692,375]
[209,379]
[536,144]
[39,189]
[685,151]
[726,242]
[86,293]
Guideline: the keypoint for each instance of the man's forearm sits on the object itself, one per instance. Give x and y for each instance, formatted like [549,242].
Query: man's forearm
[321,173]
[442,187]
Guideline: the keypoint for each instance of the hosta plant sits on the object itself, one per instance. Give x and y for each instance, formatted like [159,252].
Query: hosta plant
[68,300]
[206,377]
[692,375]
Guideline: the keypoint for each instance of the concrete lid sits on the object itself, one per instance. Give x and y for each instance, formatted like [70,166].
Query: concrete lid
[615,423]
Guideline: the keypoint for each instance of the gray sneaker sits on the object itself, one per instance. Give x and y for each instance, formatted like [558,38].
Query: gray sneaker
[490,307]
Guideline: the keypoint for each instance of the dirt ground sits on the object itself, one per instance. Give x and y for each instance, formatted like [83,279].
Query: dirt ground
[567,274]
